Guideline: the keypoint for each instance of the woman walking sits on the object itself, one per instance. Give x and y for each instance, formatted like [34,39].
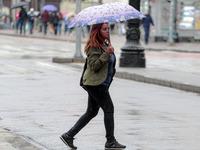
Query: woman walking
[60,22]
[96,79]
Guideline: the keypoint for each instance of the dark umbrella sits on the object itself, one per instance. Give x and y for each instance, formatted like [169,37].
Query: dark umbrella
[20,4]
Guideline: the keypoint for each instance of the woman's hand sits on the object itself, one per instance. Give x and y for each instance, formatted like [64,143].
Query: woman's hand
[110,49]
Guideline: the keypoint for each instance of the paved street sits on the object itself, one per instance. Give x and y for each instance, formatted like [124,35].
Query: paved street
[44,100]
[20,47]
[40,100]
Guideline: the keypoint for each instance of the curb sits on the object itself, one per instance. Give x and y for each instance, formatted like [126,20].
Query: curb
[139,78]
[9,141]
[44,37]
[173,50]
[171,84]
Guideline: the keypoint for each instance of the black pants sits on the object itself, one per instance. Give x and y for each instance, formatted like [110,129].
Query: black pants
[45,27]
[146,36]
[98,96]
[55,27]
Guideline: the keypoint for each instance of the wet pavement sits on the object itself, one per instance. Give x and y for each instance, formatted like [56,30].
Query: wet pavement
[40,100]
[45,102]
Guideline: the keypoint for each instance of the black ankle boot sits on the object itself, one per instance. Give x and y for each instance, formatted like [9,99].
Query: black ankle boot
[68,140]
[114,145]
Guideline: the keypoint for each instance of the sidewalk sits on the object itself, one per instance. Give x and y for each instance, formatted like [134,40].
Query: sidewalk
[156,46]
[9,141]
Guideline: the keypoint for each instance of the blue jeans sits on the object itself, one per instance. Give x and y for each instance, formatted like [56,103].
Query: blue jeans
[5,25]
[59,26]
[31,26]
[98,97]
[22,23]
[67,29]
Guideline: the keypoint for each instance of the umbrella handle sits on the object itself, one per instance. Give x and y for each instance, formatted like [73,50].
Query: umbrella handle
[109,34]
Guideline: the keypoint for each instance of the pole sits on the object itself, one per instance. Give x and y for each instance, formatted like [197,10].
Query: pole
[132,54]
[28,6]
[100,2]
[1,14]
[42,2]
[171,22]
[149,6]
[78,33]
[175,33]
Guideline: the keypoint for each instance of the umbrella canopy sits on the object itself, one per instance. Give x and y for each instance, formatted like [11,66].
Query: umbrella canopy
[49,8]
[113,12]
[17,5]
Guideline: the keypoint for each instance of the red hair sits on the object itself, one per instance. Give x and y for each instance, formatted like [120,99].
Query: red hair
[95,38]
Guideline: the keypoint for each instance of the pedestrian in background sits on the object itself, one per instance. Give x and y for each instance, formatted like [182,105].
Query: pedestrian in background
[83,32]
[55,21]
[88,29]
[67,19]
[112,26]
[146,25]
[98,72]
[10,20]
[22,19]
[17,21]
[60,17]
[67,22]
[5,22]
[31,19]
[40,23]
[45,18]
[51,23]
[121,28]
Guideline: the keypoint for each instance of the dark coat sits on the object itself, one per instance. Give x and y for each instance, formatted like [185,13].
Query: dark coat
[31,17]
[45,16]
[97,66]
[147,21]
[55,20]
[23,15]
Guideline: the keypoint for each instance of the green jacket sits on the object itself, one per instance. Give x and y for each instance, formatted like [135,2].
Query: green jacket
[97,66]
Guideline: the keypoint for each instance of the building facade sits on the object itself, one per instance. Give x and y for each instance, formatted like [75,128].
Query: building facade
[187,14]
[187,22]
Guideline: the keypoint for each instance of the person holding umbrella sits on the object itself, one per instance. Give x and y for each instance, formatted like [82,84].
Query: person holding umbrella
[96,80]
[45,18]
[22,19]
[60,22]
[99,68]
[54,20]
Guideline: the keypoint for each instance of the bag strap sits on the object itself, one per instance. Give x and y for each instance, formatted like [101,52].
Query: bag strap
[84,68]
